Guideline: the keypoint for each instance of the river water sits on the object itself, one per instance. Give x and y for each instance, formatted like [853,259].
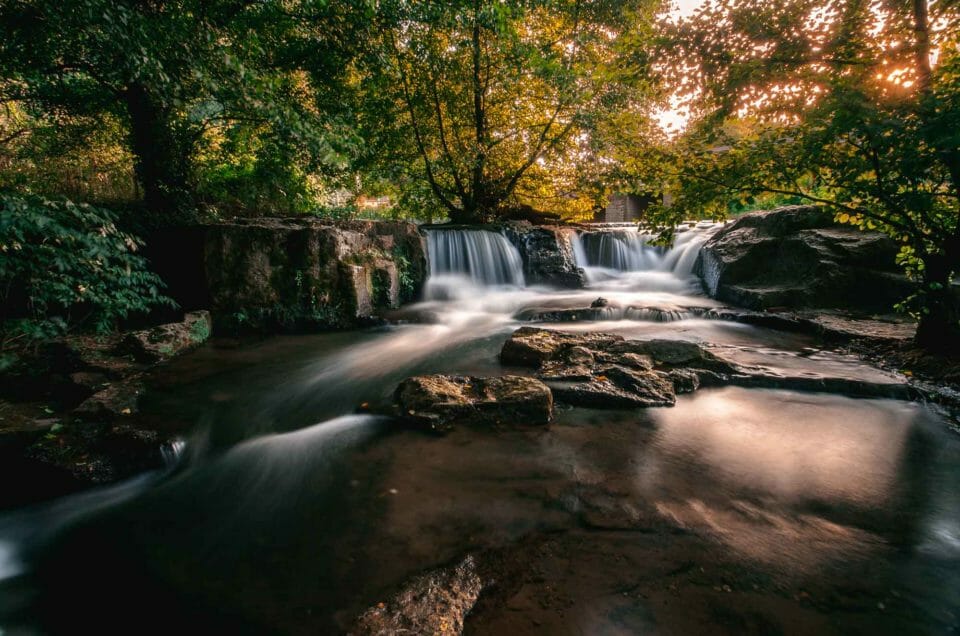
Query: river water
[736,511]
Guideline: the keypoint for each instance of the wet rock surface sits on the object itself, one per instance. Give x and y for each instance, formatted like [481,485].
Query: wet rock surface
[440,402]
[289,273]
[797,257]
[433,603]
[609,310]
[547,254]
[166,341]
[84,395]
[607,371]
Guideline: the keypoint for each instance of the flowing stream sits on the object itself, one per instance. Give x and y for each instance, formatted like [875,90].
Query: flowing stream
[736,511]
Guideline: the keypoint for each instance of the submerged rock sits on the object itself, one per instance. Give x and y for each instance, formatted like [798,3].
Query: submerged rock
[434,603]
[798,257]
[442,401]
[166,341]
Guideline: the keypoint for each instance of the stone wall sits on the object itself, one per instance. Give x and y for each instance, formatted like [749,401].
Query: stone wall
[293,273]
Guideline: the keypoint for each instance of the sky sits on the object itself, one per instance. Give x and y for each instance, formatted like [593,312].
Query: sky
[672,119]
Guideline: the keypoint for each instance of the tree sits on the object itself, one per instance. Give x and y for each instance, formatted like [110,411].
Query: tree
[503,104]
[187,78]
[836,102]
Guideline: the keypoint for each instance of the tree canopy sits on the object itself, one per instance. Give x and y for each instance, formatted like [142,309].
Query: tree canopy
[506,104]
[477,109]
[848,104]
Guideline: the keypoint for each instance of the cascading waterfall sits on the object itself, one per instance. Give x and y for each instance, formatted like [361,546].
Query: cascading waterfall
[631,251]
[621,250]
[487,258]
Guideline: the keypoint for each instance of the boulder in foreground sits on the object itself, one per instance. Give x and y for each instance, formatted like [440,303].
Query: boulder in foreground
[434,603]
[442,401]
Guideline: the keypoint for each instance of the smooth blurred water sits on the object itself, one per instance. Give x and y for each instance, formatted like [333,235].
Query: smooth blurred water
[285,512]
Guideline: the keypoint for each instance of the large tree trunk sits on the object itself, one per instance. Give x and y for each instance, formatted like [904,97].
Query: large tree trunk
[939,328]
[161,160]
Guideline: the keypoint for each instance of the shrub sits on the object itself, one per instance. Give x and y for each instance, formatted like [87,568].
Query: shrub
[65,265]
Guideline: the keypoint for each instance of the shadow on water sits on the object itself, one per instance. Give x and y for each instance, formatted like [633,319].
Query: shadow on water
[158,553]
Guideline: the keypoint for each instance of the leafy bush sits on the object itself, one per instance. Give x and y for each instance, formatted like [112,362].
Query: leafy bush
[66,265]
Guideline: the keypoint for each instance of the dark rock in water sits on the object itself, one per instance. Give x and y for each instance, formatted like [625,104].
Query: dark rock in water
[434,603]
[442,401]
[673,353]
[596,370]
[533,347]
[166,341]
[798,257]
[119,399]
[684,380]
[599,302]
[582,314]
[547,255]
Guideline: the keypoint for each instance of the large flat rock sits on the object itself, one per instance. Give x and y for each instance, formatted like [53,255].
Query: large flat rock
[443,401]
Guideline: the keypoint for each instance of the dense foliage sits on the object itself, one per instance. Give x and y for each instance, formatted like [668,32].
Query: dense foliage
[833,102]
[506,104]
[474,109]
[64,264]
[209,101]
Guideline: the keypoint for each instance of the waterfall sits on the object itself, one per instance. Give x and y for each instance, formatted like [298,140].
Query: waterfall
[487,258]
[621,250]
[631,251]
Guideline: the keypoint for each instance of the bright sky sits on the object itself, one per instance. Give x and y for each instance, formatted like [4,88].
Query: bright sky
[672,119]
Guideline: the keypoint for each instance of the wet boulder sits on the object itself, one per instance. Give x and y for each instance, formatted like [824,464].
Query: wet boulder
[547,254]
[169,340]
[531,347]
[434,603]
[615,387]
[797,257]
[440,402]
[607,371]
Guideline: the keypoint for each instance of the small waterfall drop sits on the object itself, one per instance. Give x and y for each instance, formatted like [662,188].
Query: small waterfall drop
[626,250]
[621,250]
[487,258]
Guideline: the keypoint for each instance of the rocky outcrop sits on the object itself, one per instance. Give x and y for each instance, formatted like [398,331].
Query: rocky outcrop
[93,434]
[434,603]
[606,371]
[438,402]
[291,272]
[547,254]
[311,272]
[169,340]
[797,257]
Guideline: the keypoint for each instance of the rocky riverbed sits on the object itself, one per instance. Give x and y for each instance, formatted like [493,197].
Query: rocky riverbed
[632,456]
